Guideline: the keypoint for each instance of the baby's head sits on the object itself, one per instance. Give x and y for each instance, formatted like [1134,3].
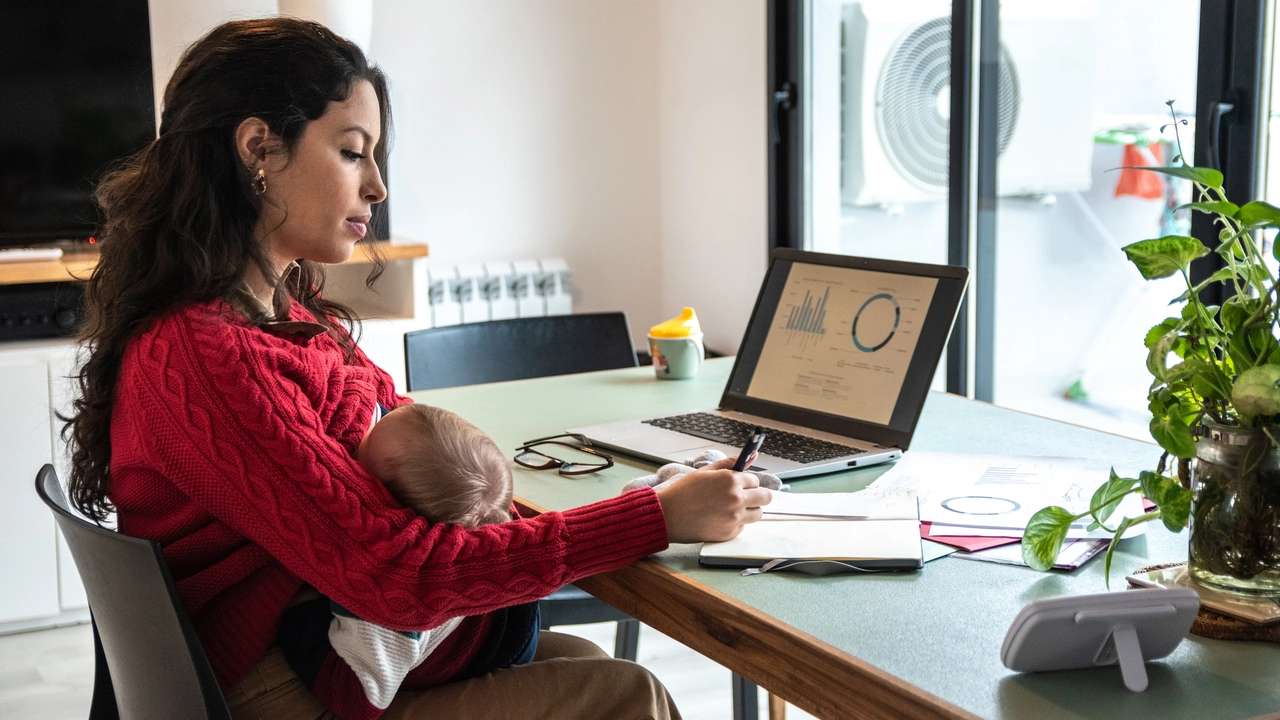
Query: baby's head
[438,464]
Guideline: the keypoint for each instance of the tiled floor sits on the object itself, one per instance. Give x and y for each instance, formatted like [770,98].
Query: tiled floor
[48,674]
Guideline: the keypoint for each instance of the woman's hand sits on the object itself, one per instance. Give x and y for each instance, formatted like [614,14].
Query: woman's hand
[712,504]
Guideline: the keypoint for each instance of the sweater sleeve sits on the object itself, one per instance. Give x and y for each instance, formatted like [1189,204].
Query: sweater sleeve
[225,421]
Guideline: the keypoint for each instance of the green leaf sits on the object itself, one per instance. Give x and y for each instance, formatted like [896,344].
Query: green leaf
[1222,275]
[1164,328]
[1217,207]
[1258,214]
[1208,379]
[1257,392]
[1173,435]
[1106,567]
[1108,496]
[1176,509]
[1164,256]
[1234,314]
[1160,401]
[1168,494]
[1042,540]
[1204,176]
[1158,357]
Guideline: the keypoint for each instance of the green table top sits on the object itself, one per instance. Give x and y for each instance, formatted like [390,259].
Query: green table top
[940,629]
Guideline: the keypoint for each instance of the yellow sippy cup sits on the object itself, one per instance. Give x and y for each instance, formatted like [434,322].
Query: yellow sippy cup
[676,346]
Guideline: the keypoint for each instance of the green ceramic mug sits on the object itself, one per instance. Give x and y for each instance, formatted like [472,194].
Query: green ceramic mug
[676,358]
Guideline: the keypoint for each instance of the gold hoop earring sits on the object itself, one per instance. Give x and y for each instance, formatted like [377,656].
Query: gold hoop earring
[259,182]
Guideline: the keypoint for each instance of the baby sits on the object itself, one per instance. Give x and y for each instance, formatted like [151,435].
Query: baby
[447,470]
[440,465]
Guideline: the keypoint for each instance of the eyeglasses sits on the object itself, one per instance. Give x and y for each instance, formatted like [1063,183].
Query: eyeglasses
[531,455]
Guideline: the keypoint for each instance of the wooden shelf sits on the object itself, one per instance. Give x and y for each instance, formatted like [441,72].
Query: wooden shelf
[78,266]
[407,251]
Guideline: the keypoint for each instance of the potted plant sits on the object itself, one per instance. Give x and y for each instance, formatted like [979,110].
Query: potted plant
[1215,406]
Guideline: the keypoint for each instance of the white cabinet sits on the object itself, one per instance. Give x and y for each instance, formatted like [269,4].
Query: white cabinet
[28,545]
[36,574]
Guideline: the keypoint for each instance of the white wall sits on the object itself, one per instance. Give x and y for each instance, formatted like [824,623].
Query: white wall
[714,185]
[175,24]
[530,129]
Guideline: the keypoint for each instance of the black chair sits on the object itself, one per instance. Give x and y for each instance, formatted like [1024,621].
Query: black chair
[148,661]
[501,350]
[520,349]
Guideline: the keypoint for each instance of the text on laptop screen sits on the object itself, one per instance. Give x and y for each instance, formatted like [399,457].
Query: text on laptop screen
[841,340]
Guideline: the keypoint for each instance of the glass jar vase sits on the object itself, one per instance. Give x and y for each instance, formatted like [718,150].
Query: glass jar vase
[1235,512]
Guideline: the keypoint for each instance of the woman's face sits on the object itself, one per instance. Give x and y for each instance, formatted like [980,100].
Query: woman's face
[319,197]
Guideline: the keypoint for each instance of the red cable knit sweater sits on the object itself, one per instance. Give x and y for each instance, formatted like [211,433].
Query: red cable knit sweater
[233,449]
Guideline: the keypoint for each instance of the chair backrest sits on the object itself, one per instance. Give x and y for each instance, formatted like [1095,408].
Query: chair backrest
[157,666]
[500,350]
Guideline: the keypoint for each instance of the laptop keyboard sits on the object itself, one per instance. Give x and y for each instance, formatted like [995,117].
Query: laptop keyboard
[788,446]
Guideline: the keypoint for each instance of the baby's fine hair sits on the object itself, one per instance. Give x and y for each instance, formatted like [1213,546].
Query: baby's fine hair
[448,470]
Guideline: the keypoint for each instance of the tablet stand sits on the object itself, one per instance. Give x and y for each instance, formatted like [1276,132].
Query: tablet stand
[1128,651]
[1127,628]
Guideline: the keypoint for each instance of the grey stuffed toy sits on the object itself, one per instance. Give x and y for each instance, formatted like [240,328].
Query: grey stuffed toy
[671,472]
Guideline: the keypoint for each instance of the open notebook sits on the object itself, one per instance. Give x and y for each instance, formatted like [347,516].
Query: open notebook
[886,536]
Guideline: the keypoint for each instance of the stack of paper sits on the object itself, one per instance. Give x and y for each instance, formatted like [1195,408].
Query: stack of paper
[860,531]
[981,503]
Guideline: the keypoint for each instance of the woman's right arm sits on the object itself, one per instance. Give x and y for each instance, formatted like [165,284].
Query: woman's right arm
[220,416]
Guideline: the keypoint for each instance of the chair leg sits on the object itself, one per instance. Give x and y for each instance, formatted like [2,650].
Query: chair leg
[777,708]
[627,641]
[103,706]
[746,704]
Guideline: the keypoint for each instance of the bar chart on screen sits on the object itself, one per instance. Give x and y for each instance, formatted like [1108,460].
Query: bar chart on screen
[805,321]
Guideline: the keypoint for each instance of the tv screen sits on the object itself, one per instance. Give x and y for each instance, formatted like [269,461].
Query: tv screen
[75,87]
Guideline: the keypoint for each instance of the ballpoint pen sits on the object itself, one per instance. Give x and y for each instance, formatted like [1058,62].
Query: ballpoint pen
[749,450]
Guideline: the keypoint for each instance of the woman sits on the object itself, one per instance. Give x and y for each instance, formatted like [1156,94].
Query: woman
[223,399]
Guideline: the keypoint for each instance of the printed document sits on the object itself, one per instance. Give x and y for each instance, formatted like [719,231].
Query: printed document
[995,495]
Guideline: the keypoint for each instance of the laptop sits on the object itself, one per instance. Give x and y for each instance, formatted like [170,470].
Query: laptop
[835,366]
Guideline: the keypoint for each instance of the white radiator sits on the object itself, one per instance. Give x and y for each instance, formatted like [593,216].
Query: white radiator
[446,294]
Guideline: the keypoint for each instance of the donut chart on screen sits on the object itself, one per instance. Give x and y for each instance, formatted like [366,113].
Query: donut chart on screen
[876,302]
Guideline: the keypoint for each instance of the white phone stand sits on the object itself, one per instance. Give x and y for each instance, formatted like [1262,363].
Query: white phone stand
[1083,631]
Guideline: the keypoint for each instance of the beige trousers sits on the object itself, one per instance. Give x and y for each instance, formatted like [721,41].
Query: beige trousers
[568,678]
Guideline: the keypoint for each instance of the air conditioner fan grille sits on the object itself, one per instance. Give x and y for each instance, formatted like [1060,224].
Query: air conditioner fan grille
[913,131]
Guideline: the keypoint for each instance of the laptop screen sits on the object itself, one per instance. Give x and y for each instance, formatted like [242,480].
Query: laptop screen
[841,340]
[845,344]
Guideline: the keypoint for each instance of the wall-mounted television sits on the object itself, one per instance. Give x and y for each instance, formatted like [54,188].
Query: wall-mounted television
[75,97]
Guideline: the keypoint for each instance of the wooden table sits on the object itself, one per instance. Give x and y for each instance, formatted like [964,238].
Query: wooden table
[921,645]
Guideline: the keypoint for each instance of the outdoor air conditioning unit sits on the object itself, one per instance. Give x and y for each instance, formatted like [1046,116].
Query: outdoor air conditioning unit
[897,99]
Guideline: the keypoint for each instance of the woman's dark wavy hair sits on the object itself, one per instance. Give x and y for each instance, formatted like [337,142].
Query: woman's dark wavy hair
[179,217]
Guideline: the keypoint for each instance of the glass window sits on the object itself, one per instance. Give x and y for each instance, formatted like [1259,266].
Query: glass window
[879,99]
[1082,87]
[1070,310]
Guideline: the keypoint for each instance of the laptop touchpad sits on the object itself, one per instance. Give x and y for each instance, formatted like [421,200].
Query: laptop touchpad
[662,442]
